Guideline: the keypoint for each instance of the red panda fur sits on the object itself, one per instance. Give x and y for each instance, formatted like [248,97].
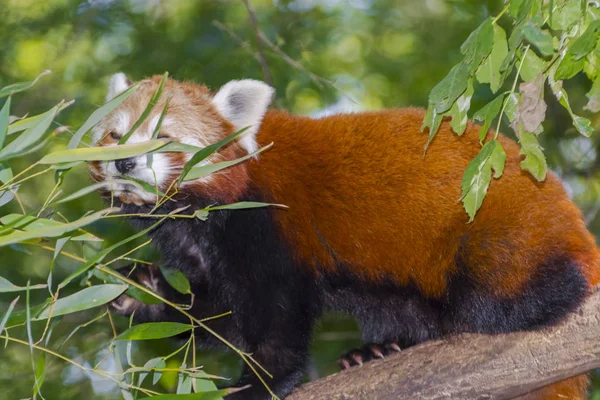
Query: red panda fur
[385,209]
[369,213]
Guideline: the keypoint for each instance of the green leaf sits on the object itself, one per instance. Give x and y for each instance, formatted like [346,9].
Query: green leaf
[534,161]
[154,330]
[207,169]
[593,96]
[176,279]
[100,256]
[583,125]
[85,299]
[4,117]
[52,230]
[540,39]
[99,114]
[103,153]
[31,223]
[214,395]
[147,110]
[6,286]
[564,14]
[206,152]
[459,110]
[569,67]
[449,89]
[30,122]
[432,120]
[21,86]
[586,42]
[478,174]
[7,314]
[29,138]
[157,362]
[532,66]
[244,205]
[487,115]
[510,108]
[40,372]
[478,45]
[519,8]
[157,130]
[489,71]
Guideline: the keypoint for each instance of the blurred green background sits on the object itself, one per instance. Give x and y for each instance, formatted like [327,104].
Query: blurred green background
[348,55]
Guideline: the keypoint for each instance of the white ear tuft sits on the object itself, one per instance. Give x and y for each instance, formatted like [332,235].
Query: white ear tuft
[118,84]
[244,103]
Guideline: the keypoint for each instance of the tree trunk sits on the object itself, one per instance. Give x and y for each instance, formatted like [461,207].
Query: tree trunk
[471,366]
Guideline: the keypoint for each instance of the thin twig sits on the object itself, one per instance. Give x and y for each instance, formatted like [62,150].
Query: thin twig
[259,44]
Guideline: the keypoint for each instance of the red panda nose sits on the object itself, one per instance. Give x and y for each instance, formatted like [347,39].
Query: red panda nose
[125,165]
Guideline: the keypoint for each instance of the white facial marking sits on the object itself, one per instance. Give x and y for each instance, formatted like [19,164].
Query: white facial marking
[244,104]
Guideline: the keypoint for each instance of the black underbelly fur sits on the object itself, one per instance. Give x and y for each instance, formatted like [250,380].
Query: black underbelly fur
[236,261]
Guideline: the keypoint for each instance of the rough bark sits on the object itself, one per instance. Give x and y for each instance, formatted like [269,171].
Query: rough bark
[473,366]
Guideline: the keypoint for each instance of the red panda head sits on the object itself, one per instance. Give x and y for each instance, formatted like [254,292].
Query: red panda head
[194,116]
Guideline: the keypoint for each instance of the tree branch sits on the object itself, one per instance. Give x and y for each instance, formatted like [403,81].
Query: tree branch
[473,366]
[261,55]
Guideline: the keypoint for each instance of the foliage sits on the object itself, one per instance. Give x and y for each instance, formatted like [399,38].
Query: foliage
[324,56]
[548,42]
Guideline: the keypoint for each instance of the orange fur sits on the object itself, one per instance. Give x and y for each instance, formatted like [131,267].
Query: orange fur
[569,389]
[386,211]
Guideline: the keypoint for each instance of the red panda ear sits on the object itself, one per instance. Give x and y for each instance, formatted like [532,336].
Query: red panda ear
[244,103]
[118,84]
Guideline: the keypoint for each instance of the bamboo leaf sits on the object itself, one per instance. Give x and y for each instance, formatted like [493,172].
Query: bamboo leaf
[83,300]
[147,110]
[154,330]
[205,170]
[206,152]
[6,287]
[4,119]
[176,279]
[102,153]
[99,114]
[21,86]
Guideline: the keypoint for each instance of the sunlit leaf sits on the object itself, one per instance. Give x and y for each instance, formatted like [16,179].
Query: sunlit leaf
[569,67]
[147,110]
[214,395]
[535,161]
[586,42]
[4,119]
[28,138]
[100,256]
[157,362]
[478,45]
[532,66]
[459,110]
[29,122]
[206,152]
[540,39]
[85,299]
[6,286]
[478,175]
[102,153]
[489,71]
[243,205]
[432,121]
[21,86]
[445,93]
[154,330]
[205,170]
[487,115]
[7,315]
[53,230]
[99,114]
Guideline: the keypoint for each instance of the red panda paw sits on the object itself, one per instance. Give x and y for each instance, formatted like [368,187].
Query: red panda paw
[369,352]
[147,276]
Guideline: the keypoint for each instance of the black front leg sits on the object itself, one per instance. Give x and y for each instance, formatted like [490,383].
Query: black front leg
[284,357]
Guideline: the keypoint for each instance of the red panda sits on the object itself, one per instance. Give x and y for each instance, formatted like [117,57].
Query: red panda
[372,228]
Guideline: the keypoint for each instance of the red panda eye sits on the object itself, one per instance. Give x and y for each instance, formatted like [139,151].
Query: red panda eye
[162,136]
[113,134]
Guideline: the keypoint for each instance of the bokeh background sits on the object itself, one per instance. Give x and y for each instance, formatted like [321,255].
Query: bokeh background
[324,56]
